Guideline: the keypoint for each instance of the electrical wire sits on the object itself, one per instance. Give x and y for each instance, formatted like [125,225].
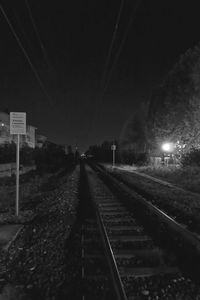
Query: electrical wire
[121,46]
[103,80]
[22,29]
[26,54]
[112,43]
[109,56]
[100,97]
[37,33]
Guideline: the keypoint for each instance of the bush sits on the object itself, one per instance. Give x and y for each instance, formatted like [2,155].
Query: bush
[7,153]
[141,159]
[27,156]
[191,158]
[129,157]
[51,158]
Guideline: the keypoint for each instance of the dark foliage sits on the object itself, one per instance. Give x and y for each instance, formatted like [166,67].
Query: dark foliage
[174,111]
[137,158]
[27,155]
[51,157]
[7,153]
[103,152]
[127,156]
[191,158]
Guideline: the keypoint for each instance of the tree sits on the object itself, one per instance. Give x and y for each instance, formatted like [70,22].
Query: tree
[8,153]
[174,110]
[70,156]
[134,139]
[27,155]
[103,152]
[51,157]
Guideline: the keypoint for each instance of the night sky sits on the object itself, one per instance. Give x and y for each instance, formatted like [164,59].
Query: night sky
[75,37]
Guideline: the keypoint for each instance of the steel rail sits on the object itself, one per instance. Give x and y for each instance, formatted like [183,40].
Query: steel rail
[116,279]
[189,237]
[114,272]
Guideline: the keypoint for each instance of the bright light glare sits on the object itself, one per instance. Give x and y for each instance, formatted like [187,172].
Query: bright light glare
[168,147]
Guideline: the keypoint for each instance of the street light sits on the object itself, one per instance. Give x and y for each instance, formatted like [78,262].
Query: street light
[168,147]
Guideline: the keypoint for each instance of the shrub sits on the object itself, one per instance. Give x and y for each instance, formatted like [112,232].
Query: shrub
[7,153]
[50,158]
[191,158]
[141,159]
[27,156]
[127,157]
[130,157]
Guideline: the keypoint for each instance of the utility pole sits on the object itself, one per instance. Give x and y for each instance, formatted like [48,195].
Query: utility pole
[113,148]
[17,127]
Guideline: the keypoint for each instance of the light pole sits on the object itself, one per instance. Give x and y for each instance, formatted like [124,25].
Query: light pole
[167,148]
[113,148]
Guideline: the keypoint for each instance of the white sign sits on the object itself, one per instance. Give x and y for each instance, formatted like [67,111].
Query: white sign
[17,123]
[113,147]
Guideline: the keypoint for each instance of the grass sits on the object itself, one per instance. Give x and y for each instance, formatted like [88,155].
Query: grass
[186,177]
[179,204]
[30,185]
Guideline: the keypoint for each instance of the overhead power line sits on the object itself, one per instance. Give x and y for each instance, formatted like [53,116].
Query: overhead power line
[121,45]
[25,54]
[21,27]
[112,43]
[103,80]
[37,33]
[106,82]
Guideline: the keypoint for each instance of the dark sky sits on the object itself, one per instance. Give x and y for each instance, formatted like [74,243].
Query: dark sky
[76,36]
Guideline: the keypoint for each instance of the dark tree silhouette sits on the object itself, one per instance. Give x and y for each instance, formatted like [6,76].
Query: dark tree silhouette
[174,110]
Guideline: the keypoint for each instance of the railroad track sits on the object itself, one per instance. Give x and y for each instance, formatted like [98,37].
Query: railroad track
[96,282]
[95,279]
[140,267]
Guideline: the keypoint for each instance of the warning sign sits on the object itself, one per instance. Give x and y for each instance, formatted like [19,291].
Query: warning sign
[17,123]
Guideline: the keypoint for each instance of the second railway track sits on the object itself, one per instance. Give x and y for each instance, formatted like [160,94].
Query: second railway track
[140,266]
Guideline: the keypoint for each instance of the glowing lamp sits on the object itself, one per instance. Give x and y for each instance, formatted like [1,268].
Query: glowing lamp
[167,147]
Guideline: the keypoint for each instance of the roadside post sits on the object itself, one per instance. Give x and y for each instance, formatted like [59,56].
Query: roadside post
[113,148]
[17,127]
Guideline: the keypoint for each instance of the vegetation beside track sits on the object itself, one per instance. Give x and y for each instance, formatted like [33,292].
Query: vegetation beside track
[179,204]
[160,230]
[35,262]
[33,186]
[187,177]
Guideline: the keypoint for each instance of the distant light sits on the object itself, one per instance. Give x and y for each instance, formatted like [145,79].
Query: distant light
[167,147]
[2,124]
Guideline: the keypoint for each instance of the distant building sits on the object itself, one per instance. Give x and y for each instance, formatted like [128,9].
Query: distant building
[40,140]
[5,136]
[29,138]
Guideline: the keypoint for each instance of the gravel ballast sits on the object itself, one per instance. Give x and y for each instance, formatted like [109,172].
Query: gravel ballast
[36,259]
[181,205]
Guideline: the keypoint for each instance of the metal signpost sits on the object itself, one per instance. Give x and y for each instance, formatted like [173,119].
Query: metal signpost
[113,148]
[17,127]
